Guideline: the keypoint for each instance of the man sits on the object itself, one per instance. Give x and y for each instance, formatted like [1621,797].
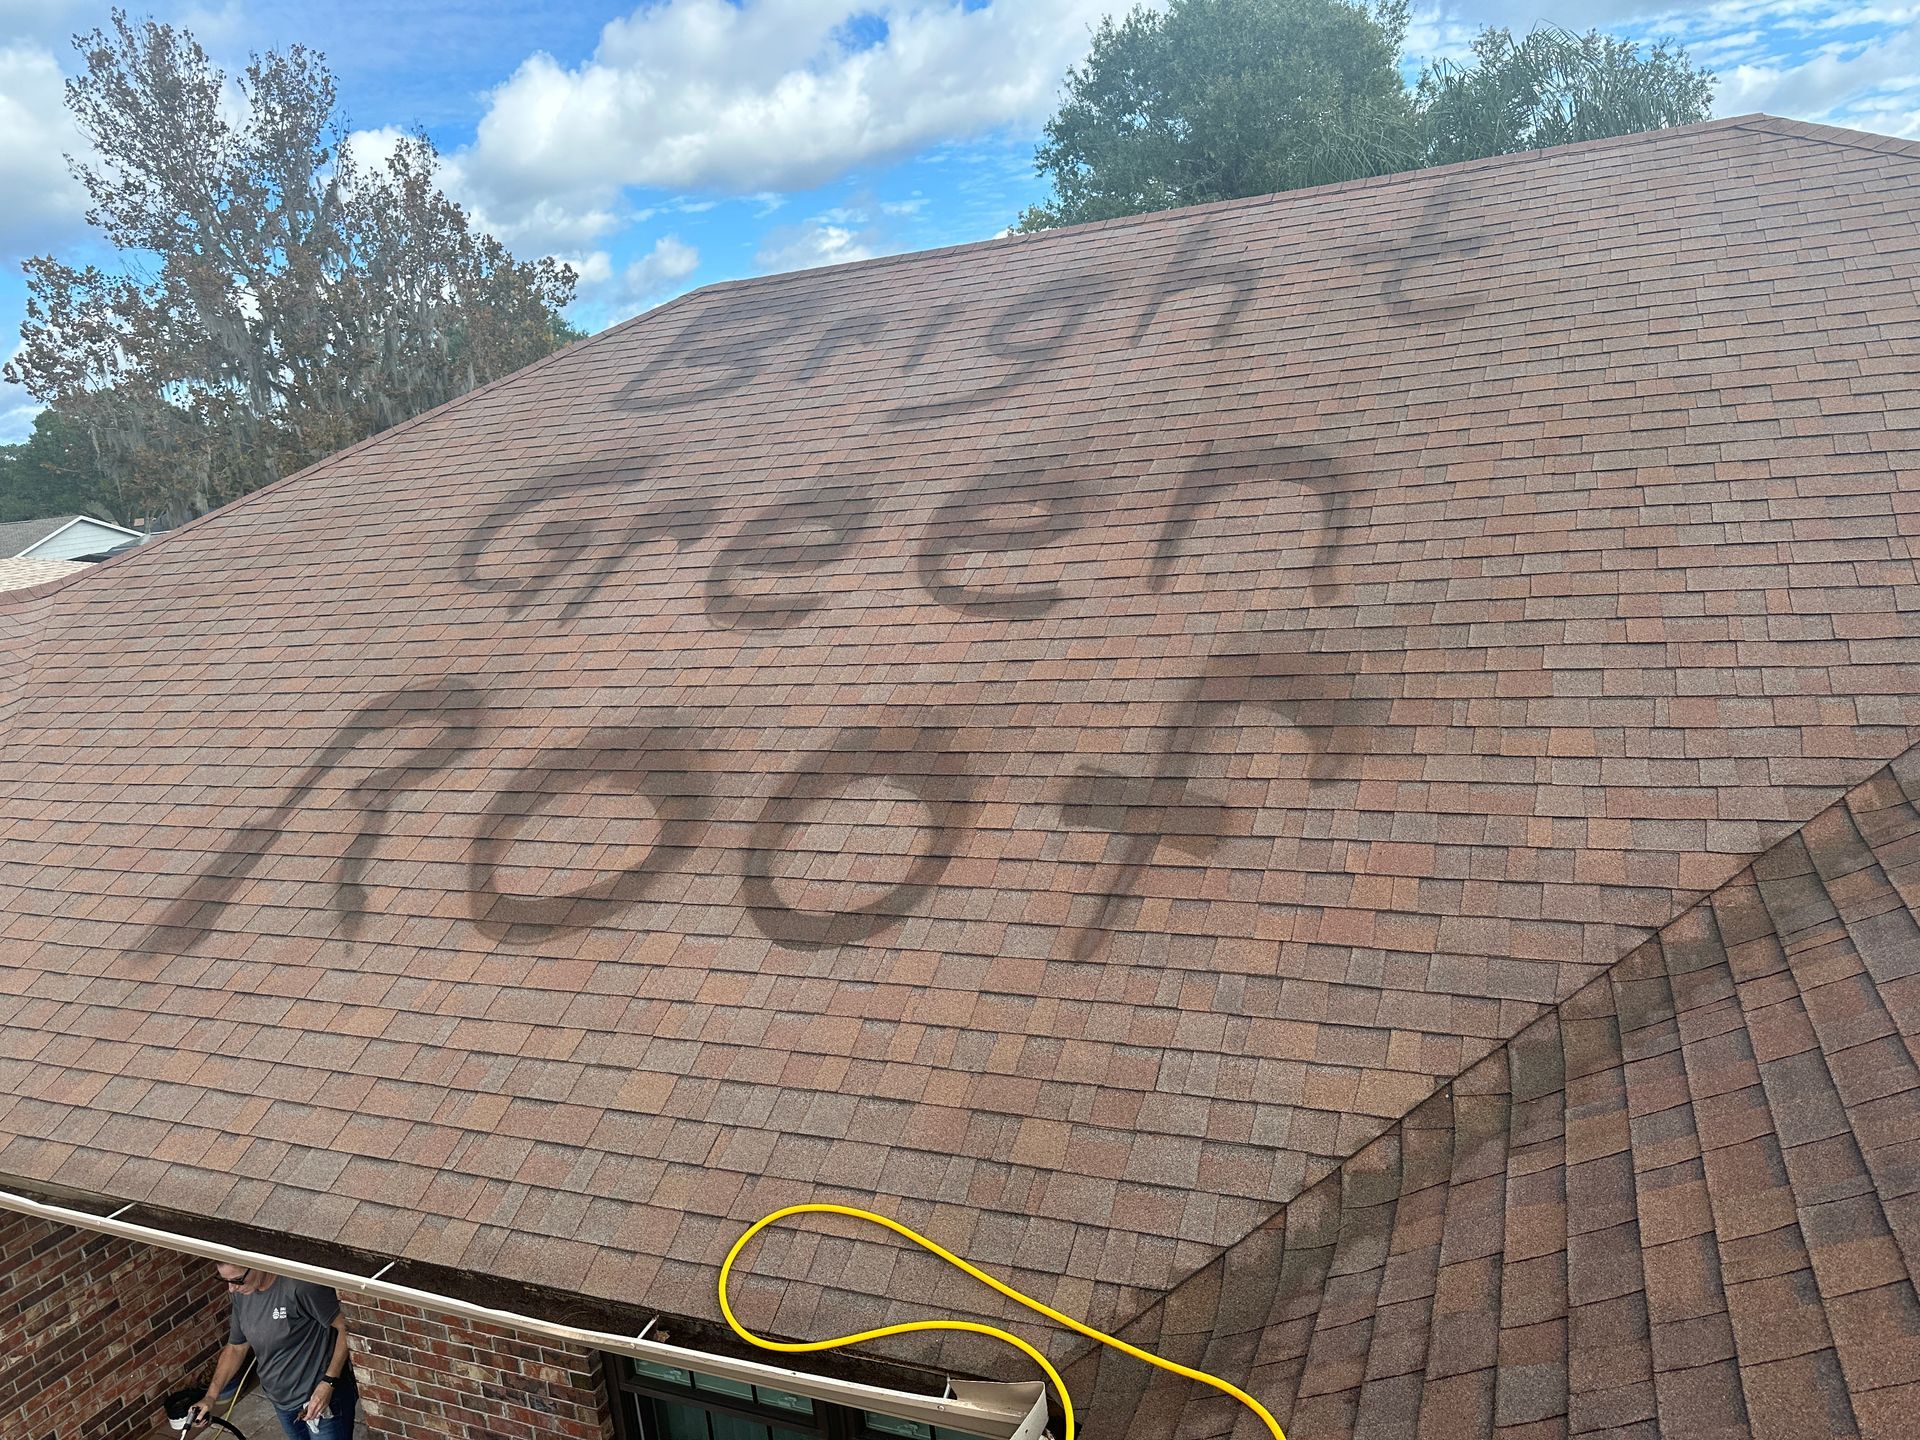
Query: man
[299,1341]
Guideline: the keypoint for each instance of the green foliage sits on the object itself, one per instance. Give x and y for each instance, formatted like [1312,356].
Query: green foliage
[1552,88]
[299,299]
[1218,99]
[55,472]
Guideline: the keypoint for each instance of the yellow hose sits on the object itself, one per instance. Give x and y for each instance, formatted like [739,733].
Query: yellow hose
[808,1347]
[239,1389]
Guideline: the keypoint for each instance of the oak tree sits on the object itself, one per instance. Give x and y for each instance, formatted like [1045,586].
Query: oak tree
[1218,99]
[278,296]
[1215,99]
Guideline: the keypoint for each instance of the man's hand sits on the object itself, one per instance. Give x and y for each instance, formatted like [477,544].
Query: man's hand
[322,1396]
[198,1412]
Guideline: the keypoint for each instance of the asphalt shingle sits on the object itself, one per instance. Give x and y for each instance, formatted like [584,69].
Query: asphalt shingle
[1138,750]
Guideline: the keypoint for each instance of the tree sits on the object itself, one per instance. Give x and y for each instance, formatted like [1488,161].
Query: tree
[55,472]
[1215,99]
[1218,99]
[1551,88]
[281,297]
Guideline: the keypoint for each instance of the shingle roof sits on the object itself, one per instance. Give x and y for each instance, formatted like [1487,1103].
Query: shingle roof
[19,574]
[1685,1202]
[20,535]
[1072,740]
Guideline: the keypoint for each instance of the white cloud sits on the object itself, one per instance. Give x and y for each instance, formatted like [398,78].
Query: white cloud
[650,279]
[1836,61]
[1807,59]
[16,421]
[546,224]
[43,202]
[1524,15]
[606,296]
[592,271]
[768,95]
[802,247]
[542,226]
[371,149]
[17,409]
[1719,52]
[217,27]
[1829,84]
[1432,35]
[863,210]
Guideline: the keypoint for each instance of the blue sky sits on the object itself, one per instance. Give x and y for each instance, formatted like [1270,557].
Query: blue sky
[686,141]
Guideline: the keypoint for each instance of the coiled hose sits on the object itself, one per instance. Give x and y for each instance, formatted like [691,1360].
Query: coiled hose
[973,1327]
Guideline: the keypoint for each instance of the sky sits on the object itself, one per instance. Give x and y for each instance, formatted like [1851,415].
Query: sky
[665,146]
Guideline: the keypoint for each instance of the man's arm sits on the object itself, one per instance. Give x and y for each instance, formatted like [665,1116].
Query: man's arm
[231,1358]
[322,1395]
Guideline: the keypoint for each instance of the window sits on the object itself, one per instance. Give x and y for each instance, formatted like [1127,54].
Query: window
[664,1402]
[876,1426]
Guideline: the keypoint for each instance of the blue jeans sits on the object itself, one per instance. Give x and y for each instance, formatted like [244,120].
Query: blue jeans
[340,1427]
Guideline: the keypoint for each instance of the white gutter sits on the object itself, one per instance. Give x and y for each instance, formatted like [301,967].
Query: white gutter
[995,1411]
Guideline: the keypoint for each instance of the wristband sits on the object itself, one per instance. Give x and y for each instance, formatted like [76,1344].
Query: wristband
[329,1380]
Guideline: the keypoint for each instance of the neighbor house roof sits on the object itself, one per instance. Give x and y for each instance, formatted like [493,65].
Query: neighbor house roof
[19,574]
[19,538]
[1131,749]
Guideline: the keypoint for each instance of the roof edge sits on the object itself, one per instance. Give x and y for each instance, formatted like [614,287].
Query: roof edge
[41,589]
[73,520]
[456,1291]
[397,429]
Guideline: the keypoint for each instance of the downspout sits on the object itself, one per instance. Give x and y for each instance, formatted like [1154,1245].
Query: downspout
[996,1411]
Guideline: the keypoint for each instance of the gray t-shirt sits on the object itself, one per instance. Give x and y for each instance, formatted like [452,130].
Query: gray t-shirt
[290,1327]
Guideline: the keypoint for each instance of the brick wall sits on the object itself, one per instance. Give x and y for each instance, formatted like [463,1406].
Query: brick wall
[425,1377]
[94,1331]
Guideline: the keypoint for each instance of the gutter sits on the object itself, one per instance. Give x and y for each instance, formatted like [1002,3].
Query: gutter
[995,1411]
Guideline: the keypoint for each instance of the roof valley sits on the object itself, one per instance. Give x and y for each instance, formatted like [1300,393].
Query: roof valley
[1714,1147]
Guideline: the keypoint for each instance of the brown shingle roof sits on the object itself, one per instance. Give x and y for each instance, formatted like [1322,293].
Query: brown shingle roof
[1071,739]
[1686,1201]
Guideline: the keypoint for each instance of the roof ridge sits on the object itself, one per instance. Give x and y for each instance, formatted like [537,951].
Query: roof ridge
[1546,1010]
[1831,134]
[1141,220]
[1147,218]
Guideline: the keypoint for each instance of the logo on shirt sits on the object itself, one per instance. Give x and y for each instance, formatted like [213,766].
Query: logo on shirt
[279,1312]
